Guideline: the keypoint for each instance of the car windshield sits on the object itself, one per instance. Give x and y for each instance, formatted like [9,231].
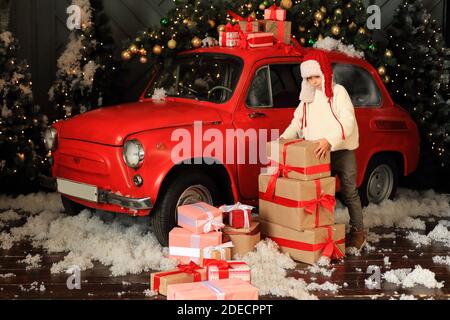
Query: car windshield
[203,77]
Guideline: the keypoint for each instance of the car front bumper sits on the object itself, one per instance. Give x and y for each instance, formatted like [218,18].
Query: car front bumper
[102,196]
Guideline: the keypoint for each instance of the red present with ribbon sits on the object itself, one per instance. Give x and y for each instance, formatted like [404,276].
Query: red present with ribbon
[296,204]
[258,39]
[183,274]
[239,215]
[275,13]
[230,37]
[221,269]
[310,245]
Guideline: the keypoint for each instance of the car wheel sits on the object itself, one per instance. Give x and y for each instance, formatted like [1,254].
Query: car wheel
[72,208]
[380,182]
[186,189]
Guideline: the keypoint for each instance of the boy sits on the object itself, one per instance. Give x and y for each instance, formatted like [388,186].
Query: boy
[326,115]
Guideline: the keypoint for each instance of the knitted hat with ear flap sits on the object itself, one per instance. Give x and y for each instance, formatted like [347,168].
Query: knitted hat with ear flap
[316,63]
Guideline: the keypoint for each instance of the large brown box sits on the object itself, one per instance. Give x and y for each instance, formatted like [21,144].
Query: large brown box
[282,30]
[312,240]
[290,194]
[300,155]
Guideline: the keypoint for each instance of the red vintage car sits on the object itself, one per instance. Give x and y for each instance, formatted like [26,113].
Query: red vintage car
[120,159]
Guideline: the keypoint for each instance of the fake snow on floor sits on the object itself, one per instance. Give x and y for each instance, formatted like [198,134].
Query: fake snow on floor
[127,245]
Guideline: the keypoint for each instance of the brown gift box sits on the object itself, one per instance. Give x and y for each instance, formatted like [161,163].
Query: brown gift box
[175,278]
[244,242]
[295,191]
[276,27]
[287,239]
[300,155]
[254,26]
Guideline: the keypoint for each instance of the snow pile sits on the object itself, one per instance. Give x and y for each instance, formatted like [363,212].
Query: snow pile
[408,203]
[418,239]
[35,286]
[269,267]
[409,279]
[149,293]
[33,262]
[316,269]
[411,223]
[445,223]
[9,215]
[34,203]
[327,286]
[442,260]
[82,261]
[440,234]
[375,238]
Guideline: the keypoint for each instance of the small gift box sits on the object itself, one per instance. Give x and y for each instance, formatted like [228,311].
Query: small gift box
[230,37]
[297,204]
[244,242]
[226,289]
[239,215]
[250,25]
[221,269]
[282,30]
[183,274]
[186,246]
[221,252]
[275,13]
[259,39]
[309,245]
[200,218]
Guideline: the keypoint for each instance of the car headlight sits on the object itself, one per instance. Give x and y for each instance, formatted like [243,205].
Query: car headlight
[51,139]
[133,153]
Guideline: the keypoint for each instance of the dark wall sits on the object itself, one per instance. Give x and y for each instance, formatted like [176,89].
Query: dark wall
[41,28]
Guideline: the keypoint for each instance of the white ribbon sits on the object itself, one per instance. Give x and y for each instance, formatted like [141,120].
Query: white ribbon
[207,252]
[217,291]
[212,223]
[184,252]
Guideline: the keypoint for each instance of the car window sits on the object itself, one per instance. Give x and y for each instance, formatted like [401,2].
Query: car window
[359,83]
[275,86]
[285,87]
[259,95]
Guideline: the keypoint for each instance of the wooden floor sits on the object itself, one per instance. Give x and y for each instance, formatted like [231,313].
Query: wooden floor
[98,284]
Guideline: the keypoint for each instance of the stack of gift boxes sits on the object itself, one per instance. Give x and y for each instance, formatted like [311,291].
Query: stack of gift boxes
[297,203]
[251,33]
[204,246]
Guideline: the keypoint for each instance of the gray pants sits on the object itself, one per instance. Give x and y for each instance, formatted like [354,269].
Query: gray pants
[343,164]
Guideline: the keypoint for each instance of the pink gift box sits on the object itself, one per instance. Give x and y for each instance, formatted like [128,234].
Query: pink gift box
[227,289]
[275,13]
[218,270]
[200,218]
[186,246]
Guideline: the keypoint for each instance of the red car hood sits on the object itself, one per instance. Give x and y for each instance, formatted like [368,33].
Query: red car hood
[112,125]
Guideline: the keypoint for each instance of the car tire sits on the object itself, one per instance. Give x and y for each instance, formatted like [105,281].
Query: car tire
[181,191]
[381,180]
[72,208]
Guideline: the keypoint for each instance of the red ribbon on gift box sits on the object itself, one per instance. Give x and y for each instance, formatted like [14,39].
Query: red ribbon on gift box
[229,28]
[283,170]
[312,207]
[329,248]
[273,12]
[223,266]
[190,268]
[237,17]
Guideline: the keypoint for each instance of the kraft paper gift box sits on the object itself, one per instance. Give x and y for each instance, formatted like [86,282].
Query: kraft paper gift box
[221,269]
[259,39]
[220,252]
[282,30]
[227,289]
[183,274]
[309,245]
[239,216]
[200,218]
[296,204]
[250,25]
[275,13]
[186,246]
[295,159]
[244,242]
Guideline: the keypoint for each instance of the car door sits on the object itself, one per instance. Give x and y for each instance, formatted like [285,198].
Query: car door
[266,110]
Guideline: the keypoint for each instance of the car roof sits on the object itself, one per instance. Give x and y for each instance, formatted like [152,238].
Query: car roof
[255,54]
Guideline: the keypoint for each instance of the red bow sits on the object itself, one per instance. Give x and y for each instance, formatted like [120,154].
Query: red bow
[230,28]
[273,12]
[190,268]
[222,266]
[330,248]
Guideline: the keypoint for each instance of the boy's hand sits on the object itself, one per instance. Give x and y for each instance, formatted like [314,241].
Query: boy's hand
[324,147]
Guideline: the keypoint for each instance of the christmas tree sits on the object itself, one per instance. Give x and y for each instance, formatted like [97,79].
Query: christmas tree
[21,145]
[87,72]
[421,79]
[192,23]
